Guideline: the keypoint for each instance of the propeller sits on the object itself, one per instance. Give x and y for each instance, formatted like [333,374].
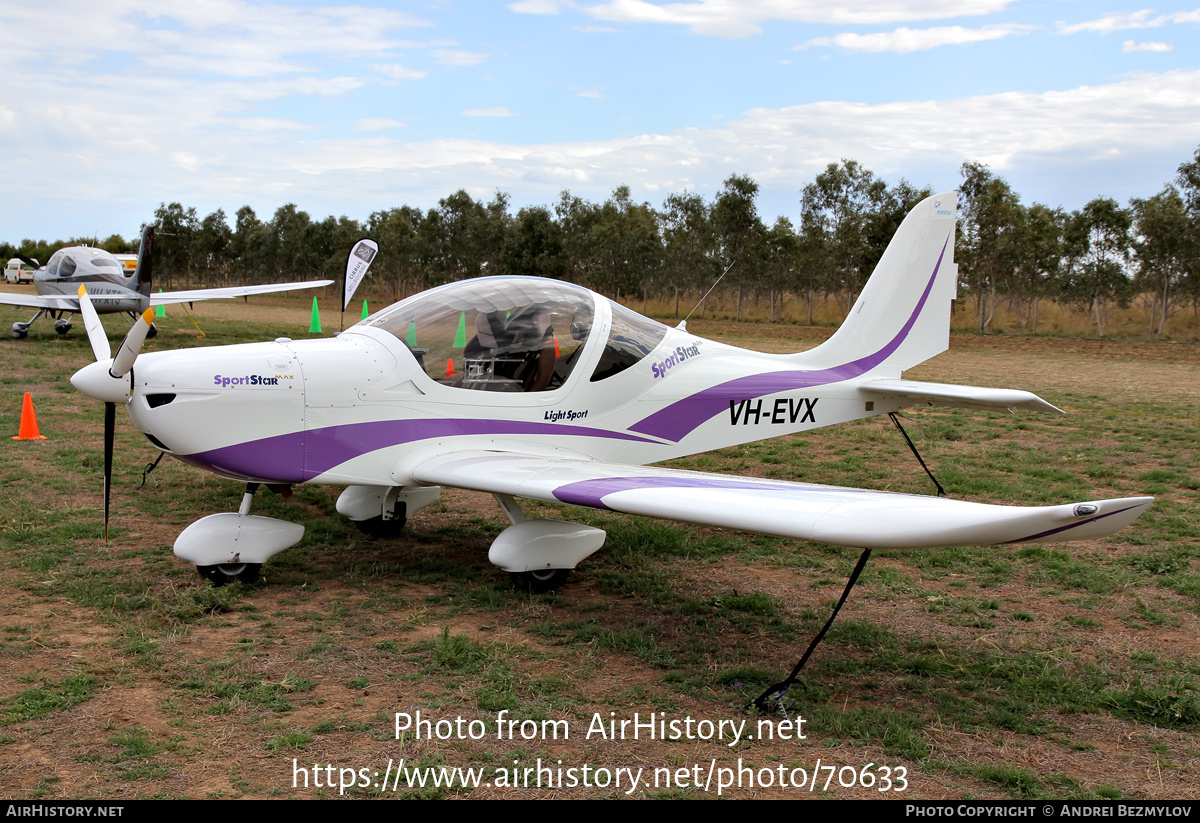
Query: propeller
[105,379]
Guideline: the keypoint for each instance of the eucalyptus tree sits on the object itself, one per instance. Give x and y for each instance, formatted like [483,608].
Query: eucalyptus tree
[462,237]
[211,247]
[290,230]
[1100,246]
[174,246]
[534,245]
[836,210]
[399,261]
[252,247]
[626,246]
[689,244]
[1040,251]
[116,244]
[1188,180]
[1164,244]
[988,236]
[781,262]
[740,234]
[578,219]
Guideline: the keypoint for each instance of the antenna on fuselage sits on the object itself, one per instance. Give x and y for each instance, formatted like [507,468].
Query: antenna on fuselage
[683,322]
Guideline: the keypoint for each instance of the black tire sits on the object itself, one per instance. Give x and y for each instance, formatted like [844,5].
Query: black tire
[152,333]
[540,581]
[226,573]
[378,527]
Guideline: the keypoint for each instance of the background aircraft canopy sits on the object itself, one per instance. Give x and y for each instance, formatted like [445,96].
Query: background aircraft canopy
[63,263]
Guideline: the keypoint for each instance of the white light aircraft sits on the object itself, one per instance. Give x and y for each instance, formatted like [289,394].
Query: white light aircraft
[531,388]
[110,289]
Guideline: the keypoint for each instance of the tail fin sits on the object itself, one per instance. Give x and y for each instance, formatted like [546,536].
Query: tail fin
[902,317]
[144,278]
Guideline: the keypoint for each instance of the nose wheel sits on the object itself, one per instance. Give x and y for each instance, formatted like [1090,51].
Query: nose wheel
[540,581]
[226,573]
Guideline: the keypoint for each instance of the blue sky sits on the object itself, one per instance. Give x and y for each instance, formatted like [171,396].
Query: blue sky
[109,107]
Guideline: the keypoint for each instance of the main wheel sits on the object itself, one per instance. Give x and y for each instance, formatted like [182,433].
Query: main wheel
[226,573]
[62,326]
[378,527]
[540,581]
[153,332]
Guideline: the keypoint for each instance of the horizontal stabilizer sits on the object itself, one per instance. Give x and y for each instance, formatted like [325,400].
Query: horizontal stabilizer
[825,514]
[967,397]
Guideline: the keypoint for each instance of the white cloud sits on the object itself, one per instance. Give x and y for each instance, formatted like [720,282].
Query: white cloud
[232,38]
[1131,45]
[904,40]
[398,72]
[185,159]
[1110,23]
[743,18]
[457,57]
[377,124]
[494,111]
[594,94]
[1085,127]
[534,7]
[271,124]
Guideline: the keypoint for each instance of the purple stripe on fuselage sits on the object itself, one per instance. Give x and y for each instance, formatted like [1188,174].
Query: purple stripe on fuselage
[591,493]
[275,458]
[679,419]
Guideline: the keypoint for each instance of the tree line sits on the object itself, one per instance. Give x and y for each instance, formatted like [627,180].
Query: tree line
[1092,259]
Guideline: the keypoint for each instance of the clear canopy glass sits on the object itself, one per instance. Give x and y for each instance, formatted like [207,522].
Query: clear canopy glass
[494,333]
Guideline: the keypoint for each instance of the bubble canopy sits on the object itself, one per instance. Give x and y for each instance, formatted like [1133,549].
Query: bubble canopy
[494,333]
[513,334]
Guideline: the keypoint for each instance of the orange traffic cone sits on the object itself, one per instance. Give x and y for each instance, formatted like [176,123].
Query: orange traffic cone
[29,427]
[450,367]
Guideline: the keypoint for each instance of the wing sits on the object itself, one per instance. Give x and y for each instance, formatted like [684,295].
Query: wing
[41,301]
[169,297]
[948,394]
[825,514]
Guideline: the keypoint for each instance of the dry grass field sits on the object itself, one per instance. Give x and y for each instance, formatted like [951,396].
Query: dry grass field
[1049,671]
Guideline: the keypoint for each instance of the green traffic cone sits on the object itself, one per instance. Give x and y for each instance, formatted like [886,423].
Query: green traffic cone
[365,312]
[412,334]
[161,311]
[460,336]
[315,326]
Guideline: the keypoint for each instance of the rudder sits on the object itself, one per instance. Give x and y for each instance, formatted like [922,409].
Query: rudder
[902,316]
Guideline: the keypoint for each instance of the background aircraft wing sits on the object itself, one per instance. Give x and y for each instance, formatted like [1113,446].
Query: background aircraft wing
[41,301]
[826,514]
[166,298]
